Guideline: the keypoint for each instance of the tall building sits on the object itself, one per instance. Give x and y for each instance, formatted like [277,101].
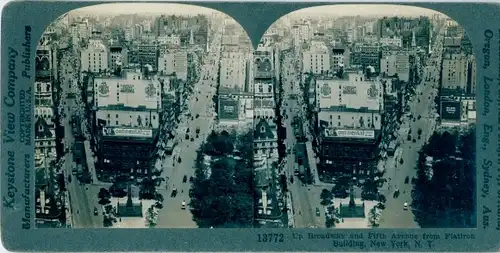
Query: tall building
[118,58]
[95,57]
[350,122]
[317,59]
[365,55]
[127,113]
[233,70]
[397,63]
[174,61]
[147,54]
[337,59]
[455,71]
[301,33]
[264,107]
[191,29]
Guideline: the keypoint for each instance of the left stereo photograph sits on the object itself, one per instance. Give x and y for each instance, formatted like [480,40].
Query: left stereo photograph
[128,131]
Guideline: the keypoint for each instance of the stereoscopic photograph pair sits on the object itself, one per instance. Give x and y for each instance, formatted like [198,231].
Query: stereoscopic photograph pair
[250,126]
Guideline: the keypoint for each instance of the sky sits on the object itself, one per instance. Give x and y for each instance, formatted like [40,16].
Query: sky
[182,9]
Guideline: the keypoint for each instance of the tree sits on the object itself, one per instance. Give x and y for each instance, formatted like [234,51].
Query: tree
[326,197]
[147,189]
[446,199]
[374,217]
[104,196]
[225,199]
[118,189]
[332,217]
[151,217]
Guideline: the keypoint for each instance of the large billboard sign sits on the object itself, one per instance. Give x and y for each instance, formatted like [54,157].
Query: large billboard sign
[450,110]
[127,132]
[228,109]
[350,133]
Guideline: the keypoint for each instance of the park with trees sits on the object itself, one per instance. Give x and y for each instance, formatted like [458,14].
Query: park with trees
[222,189]
[443,194]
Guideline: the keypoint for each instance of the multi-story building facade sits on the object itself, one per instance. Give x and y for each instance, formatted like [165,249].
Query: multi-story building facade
[391,41]
[118,58]
[147,54]
[364,55]
[233,70]
[454,71]
[95,57]
[317,59]
[174,61]
[127,116]
[350,122]
[397,63]
[301,33]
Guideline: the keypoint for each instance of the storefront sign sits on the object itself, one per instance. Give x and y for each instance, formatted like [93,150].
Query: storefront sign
[369,134]
[128,132]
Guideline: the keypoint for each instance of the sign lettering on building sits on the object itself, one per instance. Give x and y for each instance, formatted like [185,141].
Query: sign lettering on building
[369,134]
[350,90]
[128,132]
[127,88]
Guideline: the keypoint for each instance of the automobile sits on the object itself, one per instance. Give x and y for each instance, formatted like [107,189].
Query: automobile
[187,137]
[183,205]
[192,139]
[381,206]
[317,212]
[414,140]
[419,137]
[407,179]
[197,136]
[197,115]
[197,99]
[95,211]
[187,130]
[396,193]
[179,160]
[197,130]
[408,138]
[419,117]
[174,192]
[405,206]
[184,179]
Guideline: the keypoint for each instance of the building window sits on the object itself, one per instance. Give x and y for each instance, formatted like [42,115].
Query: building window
[116,115]
[117,122]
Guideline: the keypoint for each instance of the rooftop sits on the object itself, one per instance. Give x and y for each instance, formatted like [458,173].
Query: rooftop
[127,92]
[354,93]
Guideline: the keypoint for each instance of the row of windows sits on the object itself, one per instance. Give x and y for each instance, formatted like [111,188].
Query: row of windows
[109,116]
[339,124]
[43,143]
[265,144]
[48,150]
[338,117]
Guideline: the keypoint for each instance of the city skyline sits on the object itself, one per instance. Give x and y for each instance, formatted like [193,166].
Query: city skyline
[374,10]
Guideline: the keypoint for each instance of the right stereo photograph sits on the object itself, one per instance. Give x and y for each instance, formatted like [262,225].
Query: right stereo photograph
[376,112]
